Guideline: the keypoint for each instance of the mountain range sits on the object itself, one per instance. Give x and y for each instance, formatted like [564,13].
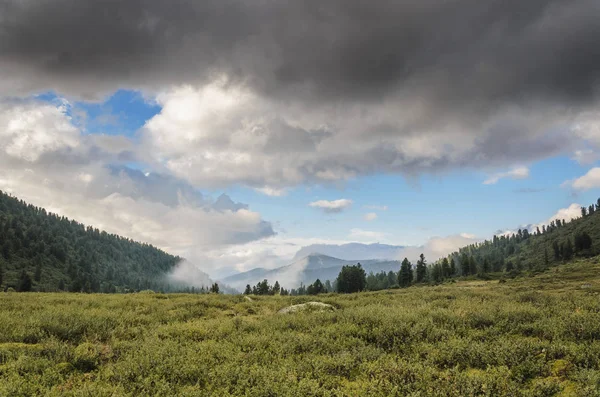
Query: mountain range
[306,270]
[353,251]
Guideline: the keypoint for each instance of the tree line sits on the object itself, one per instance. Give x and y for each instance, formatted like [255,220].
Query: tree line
[42,251]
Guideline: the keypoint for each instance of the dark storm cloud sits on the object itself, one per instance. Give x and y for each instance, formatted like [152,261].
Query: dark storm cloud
[456,53]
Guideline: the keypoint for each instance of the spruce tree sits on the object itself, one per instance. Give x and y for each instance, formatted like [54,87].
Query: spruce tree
[452,267]
[25,282]
[405,276]
[445,268]
[509,266]
[352,278]
[421,269]
[485,266]
[464,265]
[38,273]
[472,265]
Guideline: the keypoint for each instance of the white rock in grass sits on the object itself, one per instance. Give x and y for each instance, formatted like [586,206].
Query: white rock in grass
[316,306]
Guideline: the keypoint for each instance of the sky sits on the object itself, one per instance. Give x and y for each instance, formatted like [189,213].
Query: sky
[234,133]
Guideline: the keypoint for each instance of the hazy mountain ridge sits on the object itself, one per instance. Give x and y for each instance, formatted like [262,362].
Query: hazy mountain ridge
[353,251]
[306,270]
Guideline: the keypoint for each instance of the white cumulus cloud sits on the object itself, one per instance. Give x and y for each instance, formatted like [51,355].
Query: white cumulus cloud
[332,206]
[515,173]
[590,180]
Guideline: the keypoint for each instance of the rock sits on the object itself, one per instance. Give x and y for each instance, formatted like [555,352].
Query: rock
[312,306]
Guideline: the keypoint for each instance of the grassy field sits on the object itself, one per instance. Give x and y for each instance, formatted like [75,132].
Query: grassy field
[530,336]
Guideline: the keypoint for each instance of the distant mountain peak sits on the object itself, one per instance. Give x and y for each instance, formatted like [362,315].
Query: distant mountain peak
[351,251]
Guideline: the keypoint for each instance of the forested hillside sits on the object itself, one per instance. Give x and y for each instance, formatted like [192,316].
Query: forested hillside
[530,251]
[40,251]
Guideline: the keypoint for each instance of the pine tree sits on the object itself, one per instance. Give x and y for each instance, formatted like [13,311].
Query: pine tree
[248,290]
[452,267]
[556,250]
[436,273]
[25,282]
[352,278]
[485,266]
[472,265]
[214,288]
[405,276]
[315,288]
[38,273]
[567,250]
[445,268]
[421,269]
[464,265]
[277,288]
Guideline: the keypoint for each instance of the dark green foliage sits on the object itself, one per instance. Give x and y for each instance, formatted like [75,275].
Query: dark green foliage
[381,281]
[405,276]
[509,266]
[567,250]
[25,282]
[59,252]
[352,278]
[472,265]
[316,288]
[445,268]
[530,252]
[556,250]
[421,269]
[264,288]
[38,273]
[277,288]
[583,241]
[465,264]
[214,289]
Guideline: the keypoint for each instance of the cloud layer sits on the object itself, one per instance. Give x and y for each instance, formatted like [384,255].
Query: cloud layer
[273,94]
[46,161]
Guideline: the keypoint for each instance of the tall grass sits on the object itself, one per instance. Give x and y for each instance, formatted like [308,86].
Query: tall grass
[535,336]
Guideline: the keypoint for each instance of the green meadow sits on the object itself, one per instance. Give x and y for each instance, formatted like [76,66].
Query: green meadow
[536,335]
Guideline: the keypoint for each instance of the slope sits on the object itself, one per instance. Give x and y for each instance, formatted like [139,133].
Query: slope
[54,253]
[533,250]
